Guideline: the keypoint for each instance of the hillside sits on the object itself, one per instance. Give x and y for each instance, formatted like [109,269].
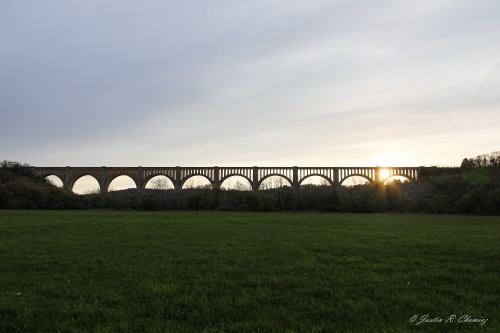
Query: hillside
[19,189]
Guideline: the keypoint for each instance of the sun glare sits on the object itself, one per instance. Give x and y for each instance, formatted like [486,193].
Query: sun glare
[384,174]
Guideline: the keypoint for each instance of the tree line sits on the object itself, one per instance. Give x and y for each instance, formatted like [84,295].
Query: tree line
[472,188]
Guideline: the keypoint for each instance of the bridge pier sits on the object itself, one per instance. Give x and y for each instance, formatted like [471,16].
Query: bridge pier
[66,178]
[255,179]
[177,179]
[336,179]
[216,181]
[295,179]
[139,181]
[103,185]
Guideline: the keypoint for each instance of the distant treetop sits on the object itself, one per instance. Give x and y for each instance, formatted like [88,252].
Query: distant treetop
[16,167]
[13,165]
[486,160]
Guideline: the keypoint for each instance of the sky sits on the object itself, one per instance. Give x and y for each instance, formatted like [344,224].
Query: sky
[244,83]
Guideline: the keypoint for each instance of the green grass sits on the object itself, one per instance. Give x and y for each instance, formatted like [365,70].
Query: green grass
[115,271]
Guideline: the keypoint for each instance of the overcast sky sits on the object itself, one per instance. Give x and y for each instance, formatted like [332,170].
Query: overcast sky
[261,82]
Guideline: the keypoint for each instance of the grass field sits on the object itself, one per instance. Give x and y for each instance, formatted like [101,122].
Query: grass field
[115,271]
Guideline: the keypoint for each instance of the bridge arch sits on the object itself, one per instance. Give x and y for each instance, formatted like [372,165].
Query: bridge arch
[330,181]
[185,179]
[111,179]
[396,176]
[356,175]
[246,180]
[87,178]
[261,181]
[47,173]
[148,180]
[54,180]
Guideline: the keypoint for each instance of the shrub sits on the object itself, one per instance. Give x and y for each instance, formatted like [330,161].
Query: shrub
[196,201]
[149,203]
[21,203]
[492,202]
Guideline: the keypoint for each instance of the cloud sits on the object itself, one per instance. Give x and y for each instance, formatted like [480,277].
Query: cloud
[485,72]
[170,83]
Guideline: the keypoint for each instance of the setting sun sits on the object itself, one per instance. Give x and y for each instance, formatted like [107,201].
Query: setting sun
[384,174]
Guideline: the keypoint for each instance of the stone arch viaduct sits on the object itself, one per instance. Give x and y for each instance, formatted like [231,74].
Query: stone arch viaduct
[217,175]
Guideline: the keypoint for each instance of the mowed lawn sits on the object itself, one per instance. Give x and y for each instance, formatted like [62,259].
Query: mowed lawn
[117,271]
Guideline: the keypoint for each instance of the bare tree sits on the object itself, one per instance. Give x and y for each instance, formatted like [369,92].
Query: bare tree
[160,184]
[92,191]
[236,184]
[273,182]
